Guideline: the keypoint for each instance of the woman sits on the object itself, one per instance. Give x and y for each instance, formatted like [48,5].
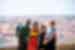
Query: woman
[33,39]
[43,32]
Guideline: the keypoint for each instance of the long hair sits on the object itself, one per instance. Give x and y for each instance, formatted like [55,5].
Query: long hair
[35,27]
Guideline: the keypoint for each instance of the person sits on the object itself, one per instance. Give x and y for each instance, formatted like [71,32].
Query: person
[42,34]
[18,29]
[50,38]
[33,40]
[23,37]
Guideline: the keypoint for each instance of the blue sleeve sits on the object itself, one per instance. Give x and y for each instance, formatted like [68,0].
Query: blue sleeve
[18,30]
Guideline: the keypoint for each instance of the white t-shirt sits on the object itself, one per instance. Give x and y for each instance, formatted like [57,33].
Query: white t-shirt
[50,33]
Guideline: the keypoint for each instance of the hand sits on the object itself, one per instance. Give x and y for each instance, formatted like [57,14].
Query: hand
[45,42]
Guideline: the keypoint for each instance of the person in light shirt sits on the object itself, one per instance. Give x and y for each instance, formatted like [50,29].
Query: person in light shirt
[50,37]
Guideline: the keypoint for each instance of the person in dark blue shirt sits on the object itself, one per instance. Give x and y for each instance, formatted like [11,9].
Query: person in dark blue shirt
[42,35]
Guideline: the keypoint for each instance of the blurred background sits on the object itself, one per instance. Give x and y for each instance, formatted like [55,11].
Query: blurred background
[14,11]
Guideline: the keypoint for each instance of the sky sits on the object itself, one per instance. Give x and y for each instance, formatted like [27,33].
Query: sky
[35,7]
[73,5]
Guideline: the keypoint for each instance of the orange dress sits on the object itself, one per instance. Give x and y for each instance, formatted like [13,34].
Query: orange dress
[33,41]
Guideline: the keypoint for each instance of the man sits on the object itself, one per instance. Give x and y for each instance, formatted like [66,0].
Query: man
[18,29]
[50,38]
[23,37]
[18,32]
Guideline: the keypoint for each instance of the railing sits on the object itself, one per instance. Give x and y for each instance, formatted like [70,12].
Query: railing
[7,37]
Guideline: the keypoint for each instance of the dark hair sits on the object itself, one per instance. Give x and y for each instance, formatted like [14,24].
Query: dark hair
[53,23]
[35,26]
[28,21]
[35,23]
[43,26]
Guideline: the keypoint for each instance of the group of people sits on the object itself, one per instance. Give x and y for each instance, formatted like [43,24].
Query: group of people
[36,37]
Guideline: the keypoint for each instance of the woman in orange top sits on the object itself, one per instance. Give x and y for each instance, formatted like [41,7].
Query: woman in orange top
[33,40]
